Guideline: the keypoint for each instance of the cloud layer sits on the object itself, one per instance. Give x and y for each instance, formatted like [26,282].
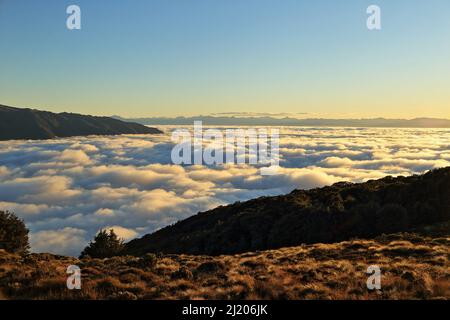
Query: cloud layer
[67,189]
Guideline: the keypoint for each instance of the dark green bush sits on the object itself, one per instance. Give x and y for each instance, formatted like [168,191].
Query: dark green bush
[13,234]
[105,245]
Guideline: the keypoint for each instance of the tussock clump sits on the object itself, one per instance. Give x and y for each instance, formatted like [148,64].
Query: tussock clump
[183,273]
[149,261]
[129,278]
[108,286]
[210,267]
[122,295]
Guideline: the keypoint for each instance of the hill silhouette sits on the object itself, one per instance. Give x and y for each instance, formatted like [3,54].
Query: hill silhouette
[265,120]
[18,123]
[323,215]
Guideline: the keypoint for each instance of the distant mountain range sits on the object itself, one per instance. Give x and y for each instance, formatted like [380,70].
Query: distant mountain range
[323,215]
[19,123]
[287,121]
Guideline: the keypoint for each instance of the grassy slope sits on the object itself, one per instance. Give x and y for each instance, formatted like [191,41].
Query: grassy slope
[412,267]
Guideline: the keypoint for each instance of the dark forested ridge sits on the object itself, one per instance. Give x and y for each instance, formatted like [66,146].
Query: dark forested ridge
[330,214]
[18,123]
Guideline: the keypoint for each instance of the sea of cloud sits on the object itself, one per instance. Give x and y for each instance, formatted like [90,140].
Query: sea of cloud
[68,189]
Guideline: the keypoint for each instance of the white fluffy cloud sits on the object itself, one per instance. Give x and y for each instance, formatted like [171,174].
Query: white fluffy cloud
[75,156]
[3,171]
[68,189]
[123,233]
[67,240]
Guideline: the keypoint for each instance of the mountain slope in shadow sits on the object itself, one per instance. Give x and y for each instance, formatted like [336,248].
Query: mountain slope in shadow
[18,123]
[323,215]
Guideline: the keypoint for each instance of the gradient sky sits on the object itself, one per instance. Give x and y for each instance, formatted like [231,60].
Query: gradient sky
[190,57]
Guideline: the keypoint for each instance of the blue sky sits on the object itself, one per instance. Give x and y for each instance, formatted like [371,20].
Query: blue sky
[187,57]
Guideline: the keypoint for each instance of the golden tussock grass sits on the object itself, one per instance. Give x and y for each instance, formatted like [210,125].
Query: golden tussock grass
[413,267]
